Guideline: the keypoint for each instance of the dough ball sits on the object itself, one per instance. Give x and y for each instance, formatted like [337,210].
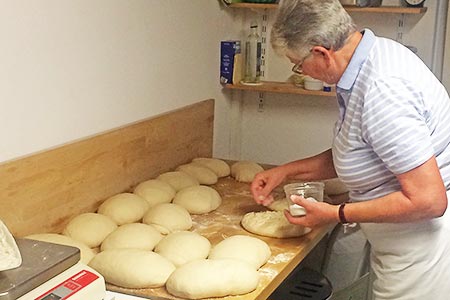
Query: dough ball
[168,217]
[249,249]
[132,268]
[183,246]
[279,205]
[90,228]
[218,166]
[86,253]
[198,199]
[203,174]
[272,224]
[178,180]
[245,171]
[158,184]
[334,186]
[134,236]
[124,208]
[155,192]
[207,278]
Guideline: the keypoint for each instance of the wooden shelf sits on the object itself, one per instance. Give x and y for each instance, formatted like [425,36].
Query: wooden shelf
[387,9]
[349,8]
[279,87]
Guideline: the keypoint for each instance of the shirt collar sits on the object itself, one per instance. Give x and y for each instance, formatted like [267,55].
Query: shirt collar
[359,57]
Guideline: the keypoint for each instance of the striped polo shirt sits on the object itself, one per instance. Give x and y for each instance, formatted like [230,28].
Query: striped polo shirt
[394,116]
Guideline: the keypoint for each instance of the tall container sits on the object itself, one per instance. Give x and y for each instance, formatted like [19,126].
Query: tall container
[253,56]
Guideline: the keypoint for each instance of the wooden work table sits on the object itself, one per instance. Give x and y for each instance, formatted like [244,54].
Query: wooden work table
[225,222]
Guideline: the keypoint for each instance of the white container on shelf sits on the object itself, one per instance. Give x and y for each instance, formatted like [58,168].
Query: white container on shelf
[312,84]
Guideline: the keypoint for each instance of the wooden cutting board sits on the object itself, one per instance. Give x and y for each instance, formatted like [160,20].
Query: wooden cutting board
[225,222]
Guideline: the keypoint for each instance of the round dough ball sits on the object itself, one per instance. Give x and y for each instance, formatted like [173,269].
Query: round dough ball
[132,268]
[245,171]
[207,278]
[203,174]
[86,253]
[155,192]
[158,184]
[272,224]
[168,217]
[334,186]
[218,166]
[249,249]
[178,180]
[124,208]
[134,236]
[198,199]
[90,228]
[182,247]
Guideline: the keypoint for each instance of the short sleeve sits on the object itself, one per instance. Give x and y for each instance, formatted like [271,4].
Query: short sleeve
[394,124]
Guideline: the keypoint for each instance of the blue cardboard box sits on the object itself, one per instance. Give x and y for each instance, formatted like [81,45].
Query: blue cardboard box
[230,62]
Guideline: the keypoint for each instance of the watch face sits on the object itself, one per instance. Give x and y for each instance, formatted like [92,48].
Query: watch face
[414,2]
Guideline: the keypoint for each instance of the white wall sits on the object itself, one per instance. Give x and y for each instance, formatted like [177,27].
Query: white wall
[74,68]
[446,70]
[295,126]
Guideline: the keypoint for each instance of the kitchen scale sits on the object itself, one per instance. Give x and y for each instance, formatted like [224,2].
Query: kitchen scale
[50,272]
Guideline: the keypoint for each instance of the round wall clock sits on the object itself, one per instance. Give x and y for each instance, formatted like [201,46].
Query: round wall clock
[415,3]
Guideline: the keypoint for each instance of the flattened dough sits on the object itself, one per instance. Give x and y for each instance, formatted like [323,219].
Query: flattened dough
[245,171]
[168,217]
[182,247]
[86,253]
[249,249]
[272,224]
[218,166]
[203,174]
[133,236]
[132,268]
[178,180]
[124,208]
[199,199]
[208,278]
[90,228]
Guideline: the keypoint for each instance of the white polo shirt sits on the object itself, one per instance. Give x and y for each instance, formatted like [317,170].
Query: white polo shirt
[394,115]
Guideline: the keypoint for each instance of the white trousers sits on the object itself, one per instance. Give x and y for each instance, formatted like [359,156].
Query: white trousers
[411,261]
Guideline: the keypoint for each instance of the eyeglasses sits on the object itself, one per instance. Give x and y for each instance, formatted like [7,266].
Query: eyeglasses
[297,68]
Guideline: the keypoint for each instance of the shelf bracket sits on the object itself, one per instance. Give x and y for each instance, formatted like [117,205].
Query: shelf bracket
[261,102]
[400,27]
[264,24]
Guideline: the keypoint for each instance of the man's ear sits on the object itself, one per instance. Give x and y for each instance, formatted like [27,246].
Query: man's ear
[323,52]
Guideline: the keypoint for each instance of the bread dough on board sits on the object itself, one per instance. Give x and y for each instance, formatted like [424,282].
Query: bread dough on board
[272,224]
[218,166]
[245,171]
[90,228]
[132,268]
[133,236]
[208,278]
[124,208]
[250,249]
[178,180]
[182,247]
[198,199]
[203,174]
[168,217]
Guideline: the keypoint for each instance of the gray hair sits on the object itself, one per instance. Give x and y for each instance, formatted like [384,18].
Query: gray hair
[303,24]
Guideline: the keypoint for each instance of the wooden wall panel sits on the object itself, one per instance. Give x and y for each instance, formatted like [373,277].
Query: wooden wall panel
[40,193]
